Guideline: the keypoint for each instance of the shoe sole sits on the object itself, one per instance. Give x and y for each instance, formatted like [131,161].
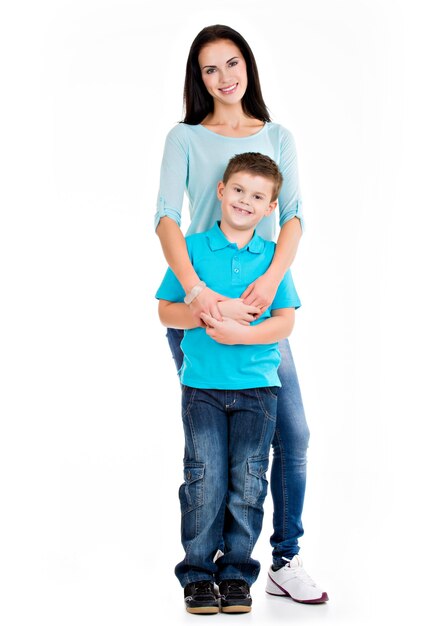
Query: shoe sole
[203,610]
[236,609]
[323,598]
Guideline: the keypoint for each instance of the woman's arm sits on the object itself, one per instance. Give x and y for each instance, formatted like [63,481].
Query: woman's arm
[175,250]
[271,330]
[262,291]
[173,176]
[285,250]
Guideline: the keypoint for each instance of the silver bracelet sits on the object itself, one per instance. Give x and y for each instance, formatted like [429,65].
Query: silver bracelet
[194,292]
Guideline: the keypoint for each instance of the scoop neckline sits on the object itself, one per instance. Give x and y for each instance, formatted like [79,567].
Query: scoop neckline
[229,136]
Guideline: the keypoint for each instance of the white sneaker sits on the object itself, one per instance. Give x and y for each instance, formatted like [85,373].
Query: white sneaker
[292,580]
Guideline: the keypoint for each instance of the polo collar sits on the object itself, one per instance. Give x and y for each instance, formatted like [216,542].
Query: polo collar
[218,241]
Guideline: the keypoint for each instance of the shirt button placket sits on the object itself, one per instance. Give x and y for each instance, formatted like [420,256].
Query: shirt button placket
[236,270]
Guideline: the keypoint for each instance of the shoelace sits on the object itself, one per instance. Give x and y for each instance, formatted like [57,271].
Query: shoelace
[300,573]
[235,589]
[204,588]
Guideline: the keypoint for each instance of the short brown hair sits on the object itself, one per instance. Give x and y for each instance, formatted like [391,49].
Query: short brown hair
[257,164]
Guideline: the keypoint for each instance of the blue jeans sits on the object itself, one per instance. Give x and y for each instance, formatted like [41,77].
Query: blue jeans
[228,436]
[290,443]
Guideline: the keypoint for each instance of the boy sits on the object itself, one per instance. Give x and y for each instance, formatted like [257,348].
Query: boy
[229,391]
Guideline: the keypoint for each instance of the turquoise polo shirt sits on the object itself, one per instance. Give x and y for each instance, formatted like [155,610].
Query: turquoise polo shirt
[228,270]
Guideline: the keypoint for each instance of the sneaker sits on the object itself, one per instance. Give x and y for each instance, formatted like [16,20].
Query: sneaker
[292,580]
[200,597]
[235,596]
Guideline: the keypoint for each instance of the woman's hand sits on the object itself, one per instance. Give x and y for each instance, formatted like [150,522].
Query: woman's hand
[260,293]
[236,310]
[207,302]
[226,331]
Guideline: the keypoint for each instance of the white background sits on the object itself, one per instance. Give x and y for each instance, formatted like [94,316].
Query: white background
[91,436]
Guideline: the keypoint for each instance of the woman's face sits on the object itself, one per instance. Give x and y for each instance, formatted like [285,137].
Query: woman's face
[224,71]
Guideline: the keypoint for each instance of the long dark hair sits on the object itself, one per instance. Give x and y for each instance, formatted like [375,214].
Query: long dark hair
[197,101]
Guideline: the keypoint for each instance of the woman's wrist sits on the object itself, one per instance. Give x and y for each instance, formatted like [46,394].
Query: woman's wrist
[194,292]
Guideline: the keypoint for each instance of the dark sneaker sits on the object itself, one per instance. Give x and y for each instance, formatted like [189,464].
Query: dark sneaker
[235,596]
[200,597]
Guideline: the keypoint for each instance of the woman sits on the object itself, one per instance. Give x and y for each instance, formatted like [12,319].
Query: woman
[225,114]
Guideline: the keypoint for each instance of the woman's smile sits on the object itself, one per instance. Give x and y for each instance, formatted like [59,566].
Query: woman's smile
[229,90]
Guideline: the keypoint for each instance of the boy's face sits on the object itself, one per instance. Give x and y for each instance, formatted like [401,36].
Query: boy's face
[245,200]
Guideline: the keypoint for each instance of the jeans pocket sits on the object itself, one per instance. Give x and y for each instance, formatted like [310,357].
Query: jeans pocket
[272,391]
[267,397]
[187,397]
[256,485]
[191,492]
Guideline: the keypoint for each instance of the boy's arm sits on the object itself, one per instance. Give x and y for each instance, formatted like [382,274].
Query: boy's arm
[177,315]
[230,332]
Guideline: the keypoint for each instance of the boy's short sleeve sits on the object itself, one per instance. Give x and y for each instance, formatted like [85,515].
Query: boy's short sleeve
[286,296]
[170,288]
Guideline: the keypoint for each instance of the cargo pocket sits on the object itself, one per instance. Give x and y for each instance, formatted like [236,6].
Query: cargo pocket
[256,485]
[191,492]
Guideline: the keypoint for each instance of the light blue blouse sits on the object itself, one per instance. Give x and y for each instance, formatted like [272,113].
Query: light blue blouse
[194,160]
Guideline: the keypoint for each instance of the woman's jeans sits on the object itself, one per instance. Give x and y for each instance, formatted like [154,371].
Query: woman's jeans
[290,443]
[228,436]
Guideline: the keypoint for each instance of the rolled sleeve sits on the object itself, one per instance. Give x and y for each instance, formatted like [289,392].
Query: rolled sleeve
[296,211]
[163,210]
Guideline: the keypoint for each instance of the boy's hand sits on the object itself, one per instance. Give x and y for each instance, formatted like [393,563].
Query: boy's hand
[227,331]
[207,302]
[260,293]
[236,310]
